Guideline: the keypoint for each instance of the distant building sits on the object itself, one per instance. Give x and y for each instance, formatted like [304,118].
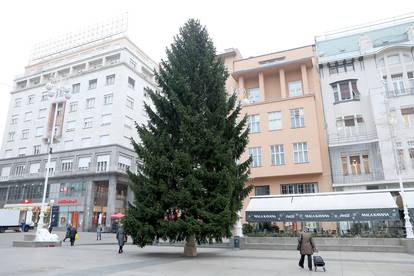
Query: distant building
[280,95]
[92,150]
[367,81]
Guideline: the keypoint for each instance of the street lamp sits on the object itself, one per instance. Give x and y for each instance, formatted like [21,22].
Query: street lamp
[59,94]
[392,121]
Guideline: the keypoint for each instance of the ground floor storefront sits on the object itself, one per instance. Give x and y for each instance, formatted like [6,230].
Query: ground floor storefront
[83,202]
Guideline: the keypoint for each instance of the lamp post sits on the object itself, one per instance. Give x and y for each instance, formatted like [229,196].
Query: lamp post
[392,121]
[59,94]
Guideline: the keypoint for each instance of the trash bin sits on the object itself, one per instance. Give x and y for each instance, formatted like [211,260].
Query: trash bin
[236,240]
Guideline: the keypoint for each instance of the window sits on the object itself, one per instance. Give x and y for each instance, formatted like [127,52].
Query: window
[411,152]
[25,134]
[398,84]
[76,189]
[408,116]
[393,59]
[17,102]
[22,152]
[124,163]
[365,161]
[305,188]
[87,123]
[8,153]
[66,165]
[300,152]
[106,119]
[30,99]
[39,132]
[130,102]
[256,155]
[253,94]
[104,139]
[344,162]
[341,67]
[36,149]
[102,163]
[19,169]
[93,84]
[28,116]
[295,88]
[10,136]
[352,164]
[410,76]
[90,103]
[297,118]
[51,167]
[73,107]
[14,119]
[76,88]
[42,113]
[110,80]
[70,125]
[108,99]
[133,63]
[5,171]
[128,122]
[355,163]
[345,90]
[381,62]
[261,190]
[84,163]
[86,142]
[277,155]
[254,123]
[131,83]
[275,120]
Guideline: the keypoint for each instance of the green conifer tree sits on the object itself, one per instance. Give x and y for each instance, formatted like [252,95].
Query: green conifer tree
[189,185]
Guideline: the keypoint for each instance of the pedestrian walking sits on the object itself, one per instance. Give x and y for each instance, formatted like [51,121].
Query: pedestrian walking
[306,246]
[99,232]
[122,239]
[73,235]
[67,234]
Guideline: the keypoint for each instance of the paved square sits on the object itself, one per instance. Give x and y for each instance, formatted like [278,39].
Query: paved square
[91,257]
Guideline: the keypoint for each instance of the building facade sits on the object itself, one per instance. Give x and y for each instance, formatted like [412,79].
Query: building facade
[281,98]
[92,149]
[367,85]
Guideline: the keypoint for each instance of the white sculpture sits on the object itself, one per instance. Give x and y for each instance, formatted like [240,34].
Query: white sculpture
[44,235]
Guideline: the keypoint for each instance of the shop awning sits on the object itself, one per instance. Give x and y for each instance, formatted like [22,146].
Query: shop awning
[323,207]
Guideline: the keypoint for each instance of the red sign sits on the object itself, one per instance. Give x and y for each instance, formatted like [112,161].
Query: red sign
[26,201]
[67,201]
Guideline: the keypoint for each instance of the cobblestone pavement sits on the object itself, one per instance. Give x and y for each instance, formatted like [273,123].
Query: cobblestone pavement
[91,257]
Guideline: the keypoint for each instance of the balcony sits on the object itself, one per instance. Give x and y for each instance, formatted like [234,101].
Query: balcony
[400,92]
[339,178]
[353,134]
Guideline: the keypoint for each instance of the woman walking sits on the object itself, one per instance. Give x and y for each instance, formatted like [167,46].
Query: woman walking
[122,238]
[306,247]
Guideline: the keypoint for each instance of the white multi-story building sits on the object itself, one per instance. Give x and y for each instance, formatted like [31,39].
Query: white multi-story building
[368,92]
[92,150]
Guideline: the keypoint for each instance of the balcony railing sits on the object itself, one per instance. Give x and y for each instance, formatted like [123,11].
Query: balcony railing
[351,135]
[357,178]
[400,92]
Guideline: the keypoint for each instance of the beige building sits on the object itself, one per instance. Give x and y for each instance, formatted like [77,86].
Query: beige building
[281,96]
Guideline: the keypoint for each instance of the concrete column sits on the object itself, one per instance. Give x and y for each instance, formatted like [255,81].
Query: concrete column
[305,82]
[282,83]
[110,209]
[88,210]
[261,86]
[241,83]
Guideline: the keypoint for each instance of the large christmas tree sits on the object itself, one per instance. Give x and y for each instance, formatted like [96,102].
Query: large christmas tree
[189,185]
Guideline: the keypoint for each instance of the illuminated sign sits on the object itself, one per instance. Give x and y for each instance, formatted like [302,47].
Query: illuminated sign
[67,201]
[26,201]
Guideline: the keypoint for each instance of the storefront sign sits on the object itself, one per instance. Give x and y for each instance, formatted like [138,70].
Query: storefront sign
[67,201]
[329,215]
[26,201]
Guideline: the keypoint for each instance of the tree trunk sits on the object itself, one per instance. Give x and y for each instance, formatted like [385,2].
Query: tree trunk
[190,247]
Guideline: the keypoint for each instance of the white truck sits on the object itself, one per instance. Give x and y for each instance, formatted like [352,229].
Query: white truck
[15,220]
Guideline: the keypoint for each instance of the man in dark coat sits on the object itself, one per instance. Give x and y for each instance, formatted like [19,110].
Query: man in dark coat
[72,235]
[307,247]
[67,234]
[121,237]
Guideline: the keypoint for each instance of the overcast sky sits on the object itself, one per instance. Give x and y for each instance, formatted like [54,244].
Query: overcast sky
[254,27]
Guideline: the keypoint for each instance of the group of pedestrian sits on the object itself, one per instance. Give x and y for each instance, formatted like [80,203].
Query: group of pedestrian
[71,234]
[121,236]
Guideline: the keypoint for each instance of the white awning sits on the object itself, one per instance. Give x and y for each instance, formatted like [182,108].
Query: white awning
[124,160]
[323,207]
[103,158]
